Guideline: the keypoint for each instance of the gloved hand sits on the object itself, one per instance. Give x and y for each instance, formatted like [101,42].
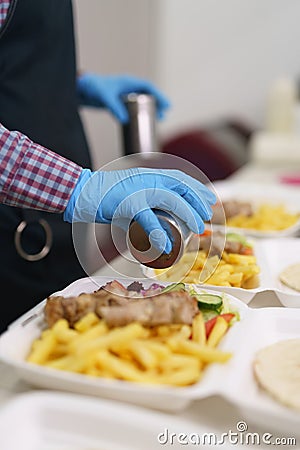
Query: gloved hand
[106,91]
[123,195]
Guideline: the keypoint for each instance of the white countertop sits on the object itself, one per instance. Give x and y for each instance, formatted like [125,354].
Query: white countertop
[265,172]
[214,414]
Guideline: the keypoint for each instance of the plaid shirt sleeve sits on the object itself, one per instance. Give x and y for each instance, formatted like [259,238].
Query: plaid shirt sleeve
[4,5]
[32,176]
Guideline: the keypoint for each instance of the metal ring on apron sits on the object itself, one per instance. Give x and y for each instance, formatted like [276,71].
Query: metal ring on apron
[45,250]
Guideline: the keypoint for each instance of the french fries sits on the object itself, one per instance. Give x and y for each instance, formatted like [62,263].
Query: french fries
[231,270]
[267,217]
[173,355]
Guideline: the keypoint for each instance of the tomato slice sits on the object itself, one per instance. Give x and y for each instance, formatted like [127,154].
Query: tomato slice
[206,232]
[247,251]
[211,322]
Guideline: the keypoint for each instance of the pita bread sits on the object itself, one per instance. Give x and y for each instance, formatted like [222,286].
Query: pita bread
[277,370]
[290,276]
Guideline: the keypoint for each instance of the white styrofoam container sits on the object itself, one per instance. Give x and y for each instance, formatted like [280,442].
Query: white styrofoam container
[256,194]
[167,398]
[272,255]
[233,381]
[42,420]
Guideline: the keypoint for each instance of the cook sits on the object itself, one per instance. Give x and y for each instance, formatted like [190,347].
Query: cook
[45,159]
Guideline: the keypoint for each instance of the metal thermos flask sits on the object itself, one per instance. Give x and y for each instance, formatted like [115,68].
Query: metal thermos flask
[139,133]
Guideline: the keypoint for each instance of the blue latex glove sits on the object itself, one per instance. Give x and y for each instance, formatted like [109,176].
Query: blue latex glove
[106,92]
[123,195]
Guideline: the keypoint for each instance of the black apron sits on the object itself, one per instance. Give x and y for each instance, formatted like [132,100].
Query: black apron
[38,97]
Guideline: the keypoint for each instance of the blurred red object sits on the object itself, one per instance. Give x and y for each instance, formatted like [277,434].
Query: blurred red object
[290,179]
[218,151]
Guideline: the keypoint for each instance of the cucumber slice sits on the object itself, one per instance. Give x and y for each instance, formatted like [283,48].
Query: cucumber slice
[173,288]
[209,301]
[209,314]
[238,238]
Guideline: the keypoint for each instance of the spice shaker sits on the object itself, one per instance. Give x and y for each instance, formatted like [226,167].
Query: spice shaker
[139,133]
[142,250]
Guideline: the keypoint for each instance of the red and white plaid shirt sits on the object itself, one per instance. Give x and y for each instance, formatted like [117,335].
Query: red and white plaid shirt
[32,176]
[4,5]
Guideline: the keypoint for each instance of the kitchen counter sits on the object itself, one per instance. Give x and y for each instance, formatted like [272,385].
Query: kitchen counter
[266,172]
